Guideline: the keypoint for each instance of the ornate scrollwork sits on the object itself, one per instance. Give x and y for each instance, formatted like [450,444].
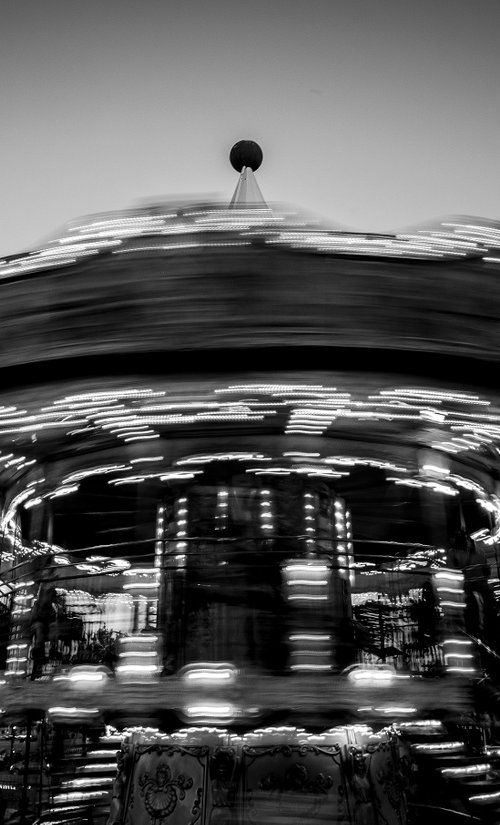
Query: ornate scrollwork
[291,750]
[196,809]
[116,810]
[388,781]
[173,750]
[224,785]
[297,779]
[393,783]
[162,792]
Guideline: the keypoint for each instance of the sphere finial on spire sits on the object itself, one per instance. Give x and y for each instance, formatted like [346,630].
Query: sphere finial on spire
[246,153]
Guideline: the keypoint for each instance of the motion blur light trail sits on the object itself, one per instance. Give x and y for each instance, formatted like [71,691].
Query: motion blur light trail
[276,225]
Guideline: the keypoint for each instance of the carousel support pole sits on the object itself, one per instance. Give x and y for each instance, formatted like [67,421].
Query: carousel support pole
[23,805]
[159,564]
[381,625]
[50,523]
[41,773]
[12,743]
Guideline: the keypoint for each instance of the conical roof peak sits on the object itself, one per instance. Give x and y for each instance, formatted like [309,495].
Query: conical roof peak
[246,157]
[247,192]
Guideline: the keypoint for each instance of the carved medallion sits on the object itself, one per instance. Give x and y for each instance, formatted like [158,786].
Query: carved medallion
[161,792]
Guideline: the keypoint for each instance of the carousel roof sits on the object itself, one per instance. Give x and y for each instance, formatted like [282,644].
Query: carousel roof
[174,227]
[249,220]
[93,349]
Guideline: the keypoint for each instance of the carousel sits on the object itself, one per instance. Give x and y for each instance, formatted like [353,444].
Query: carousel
[250,513]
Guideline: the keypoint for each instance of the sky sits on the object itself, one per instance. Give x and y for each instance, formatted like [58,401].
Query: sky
[373,114]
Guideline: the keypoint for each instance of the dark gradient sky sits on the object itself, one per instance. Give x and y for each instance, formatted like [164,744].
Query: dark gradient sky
[376,114]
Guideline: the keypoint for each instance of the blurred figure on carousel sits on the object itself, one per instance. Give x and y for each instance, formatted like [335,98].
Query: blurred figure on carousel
[43,616]
[480,608]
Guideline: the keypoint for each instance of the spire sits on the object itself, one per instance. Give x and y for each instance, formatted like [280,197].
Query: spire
[246,157]
[247,192]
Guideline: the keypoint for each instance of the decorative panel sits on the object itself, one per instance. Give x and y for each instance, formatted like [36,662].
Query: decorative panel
[167,785]
[387,783]
[283,784]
